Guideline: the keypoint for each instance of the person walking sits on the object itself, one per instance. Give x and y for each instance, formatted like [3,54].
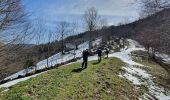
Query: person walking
[99,53]
[85,58]
[107,52]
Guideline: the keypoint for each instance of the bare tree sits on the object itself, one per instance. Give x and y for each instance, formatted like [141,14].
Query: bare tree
[11,13]
[39,32]
[102,23]
[102,26]
[74,30]
[91,21]
[155,40]
[14,27]
[63,30]
[50,35]
[15,31]
[150,7]
[29,63]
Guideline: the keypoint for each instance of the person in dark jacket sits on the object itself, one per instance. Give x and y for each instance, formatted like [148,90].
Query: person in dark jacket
[99,52]
[107,52]
[85,58]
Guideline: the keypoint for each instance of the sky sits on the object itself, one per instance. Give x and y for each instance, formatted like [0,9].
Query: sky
[50,12]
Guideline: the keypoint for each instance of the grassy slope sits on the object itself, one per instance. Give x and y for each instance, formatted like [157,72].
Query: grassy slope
[98,81]
[161,76]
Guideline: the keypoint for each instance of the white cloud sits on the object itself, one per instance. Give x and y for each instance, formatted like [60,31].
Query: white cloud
[105,7]
[114,10]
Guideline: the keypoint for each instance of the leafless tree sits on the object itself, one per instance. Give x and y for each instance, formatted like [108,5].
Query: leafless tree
[11,13]
[150,7]
[14,32]
[154,41]
[63,29]
[102,24]
[91,20]
[102,27]
[50,36]
[14,26]
[74,30]
[39,32]
[29,63]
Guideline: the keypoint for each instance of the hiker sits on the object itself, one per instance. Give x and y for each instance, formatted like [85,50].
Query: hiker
[85,58]
[99,52]
[107,52]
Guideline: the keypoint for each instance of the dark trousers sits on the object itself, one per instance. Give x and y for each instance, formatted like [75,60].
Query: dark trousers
[99,58]
[84,64]
[107,55]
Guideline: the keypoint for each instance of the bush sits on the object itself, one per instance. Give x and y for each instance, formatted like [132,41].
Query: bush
[30,62]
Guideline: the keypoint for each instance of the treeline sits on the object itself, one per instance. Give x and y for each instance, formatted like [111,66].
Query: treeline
[153,32]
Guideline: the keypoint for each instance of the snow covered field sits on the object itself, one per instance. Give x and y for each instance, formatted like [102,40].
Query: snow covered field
[133,71]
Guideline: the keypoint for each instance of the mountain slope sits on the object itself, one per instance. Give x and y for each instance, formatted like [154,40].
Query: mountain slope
[129,77]
[152,31]
[99,81]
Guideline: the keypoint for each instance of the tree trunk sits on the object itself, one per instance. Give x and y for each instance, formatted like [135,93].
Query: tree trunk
[62,44]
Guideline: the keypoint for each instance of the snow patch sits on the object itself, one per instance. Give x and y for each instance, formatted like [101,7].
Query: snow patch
[164,57]
[11,83]
[137,75]
[53,60]
[124,54]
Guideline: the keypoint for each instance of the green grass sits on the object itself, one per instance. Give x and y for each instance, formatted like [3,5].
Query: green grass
[98,81]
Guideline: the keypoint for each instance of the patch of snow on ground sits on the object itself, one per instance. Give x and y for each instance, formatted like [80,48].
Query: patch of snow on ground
[11,83]
[124,54]
[137,75]
[53,60]
[131,77]
[137,71]
[165,57]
